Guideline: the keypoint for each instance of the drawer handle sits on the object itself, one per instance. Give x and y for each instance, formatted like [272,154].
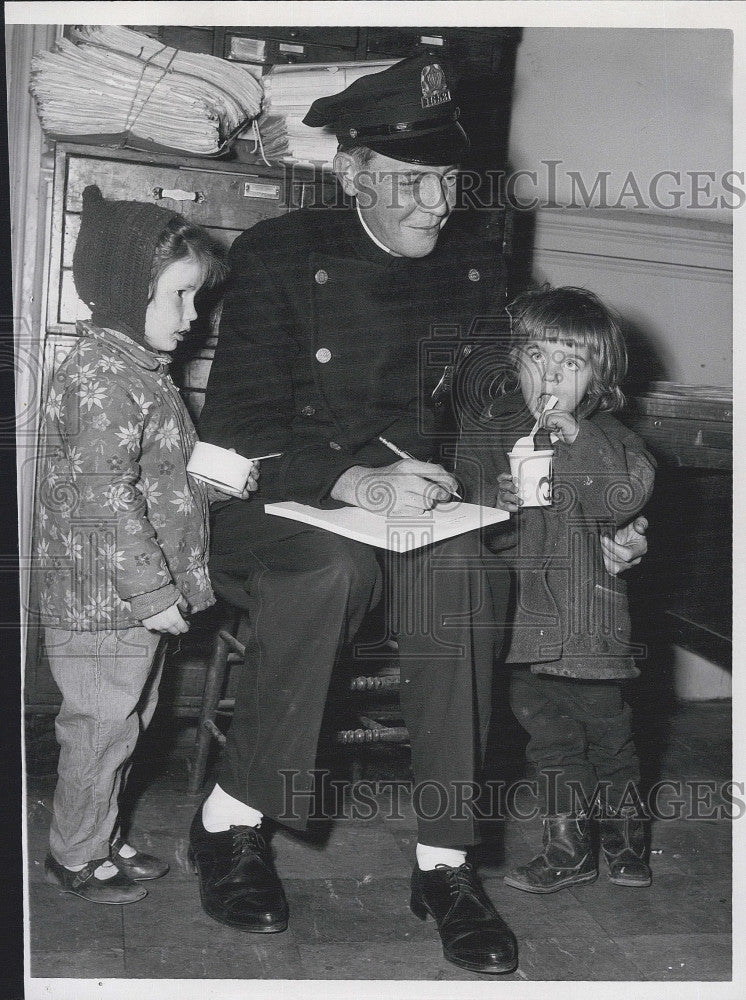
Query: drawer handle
[177,194]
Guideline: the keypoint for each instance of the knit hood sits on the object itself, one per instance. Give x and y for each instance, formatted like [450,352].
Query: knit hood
[113,259]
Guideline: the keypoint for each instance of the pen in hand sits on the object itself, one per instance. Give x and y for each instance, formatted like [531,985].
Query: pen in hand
[405,454]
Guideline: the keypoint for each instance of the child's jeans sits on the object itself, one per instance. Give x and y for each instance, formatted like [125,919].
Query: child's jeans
[580,734]
[109,685]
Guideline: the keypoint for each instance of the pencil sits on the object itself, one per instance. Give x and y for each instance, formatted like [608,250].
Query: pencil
[405,454]
[396,451]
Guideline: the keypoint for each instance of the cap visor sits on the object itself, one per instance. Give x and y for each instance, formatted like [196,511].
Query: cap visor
[439,148]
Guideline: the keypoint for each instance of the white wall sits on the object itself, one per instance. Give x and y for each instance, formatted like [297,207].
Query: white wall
[670,278]
[623,100]
[639,101]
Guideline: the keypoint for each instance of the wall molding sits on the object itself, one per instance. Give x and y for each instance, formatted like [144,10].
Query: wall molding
[635,236]
[631,265]
[670,279]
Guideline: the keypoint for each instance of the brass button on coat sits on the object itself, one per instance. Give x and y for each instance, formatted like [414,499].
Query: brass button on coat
[474,275]
[321,277]
[308,411]
[335,446]
[323,355]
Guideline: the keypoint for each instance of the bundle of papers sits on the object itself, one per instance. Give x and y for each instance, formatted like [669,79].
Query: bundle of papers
[290,91]
[110,81]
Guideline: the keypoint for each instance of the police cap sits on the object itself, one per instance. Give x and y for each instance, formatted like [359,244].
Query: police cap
[406,112]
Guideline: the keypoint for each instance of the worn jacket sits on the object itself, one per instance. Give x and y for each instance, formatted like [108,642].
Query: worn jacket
[326,341]
[571,616]
[121,530]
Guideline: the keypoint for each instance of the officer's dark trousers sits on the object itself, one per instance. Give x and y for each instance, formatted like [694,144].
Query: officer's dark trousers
[307,594]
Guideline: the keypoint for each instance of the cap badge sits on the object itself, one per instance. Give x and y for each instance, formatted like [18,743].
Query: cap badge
[434,86]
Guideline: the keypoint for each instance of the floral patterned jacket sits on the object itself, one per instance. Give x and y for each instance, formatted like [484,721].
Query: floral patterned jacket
[121,530]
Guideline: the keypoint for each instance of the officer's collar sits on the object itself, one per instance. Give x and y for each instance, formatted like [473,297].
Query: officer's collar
[364,245]
[370,234]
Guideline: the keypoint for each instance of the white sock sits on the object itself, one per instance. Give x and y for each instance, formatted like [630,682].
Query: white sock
[105,871]
[428,857]
[221,811]
[126,851]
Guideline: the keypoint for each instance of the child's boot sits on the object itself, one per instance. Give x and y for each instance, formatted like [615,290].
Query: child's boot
[567,858]
[623,844]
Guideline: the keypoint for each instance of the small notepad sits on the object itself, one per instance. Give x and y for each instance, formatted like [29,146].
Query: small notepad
[398,534]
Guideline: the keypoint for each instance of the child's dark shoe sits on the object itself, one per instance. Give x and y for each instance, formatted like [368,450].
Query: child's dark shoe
[567,858]
[623,845]
[118,889]
[139,866]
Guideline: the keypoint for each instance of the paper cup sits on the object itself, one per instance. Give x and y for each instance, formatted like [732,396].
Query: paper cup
[220,467]
[532,470]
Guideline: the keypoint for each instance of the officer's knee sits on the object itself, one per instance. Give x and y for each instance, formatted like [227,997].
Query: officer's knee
[353,569]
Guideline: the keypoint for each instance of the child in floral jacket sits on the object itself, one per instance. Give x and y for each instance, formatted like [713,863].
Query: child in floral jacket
[122,531]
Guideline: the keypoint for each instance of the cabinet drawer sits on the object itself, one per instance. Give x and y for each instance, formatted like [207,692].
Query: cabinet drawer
[390,42]
[224,199]
[205,197]
[191,39]
[697,443]
[253,49]
[345,38]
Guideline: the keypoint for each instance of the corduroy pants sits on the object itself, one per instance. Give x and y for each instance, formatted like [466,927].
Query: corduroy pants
[109,685]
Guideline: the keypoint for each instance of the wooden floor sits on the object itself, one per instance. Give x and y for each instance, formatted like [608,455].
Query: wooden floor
[348,890]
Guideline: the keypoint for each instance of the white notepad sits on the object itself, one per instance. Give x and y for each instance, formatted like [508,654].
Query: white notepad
[398,534]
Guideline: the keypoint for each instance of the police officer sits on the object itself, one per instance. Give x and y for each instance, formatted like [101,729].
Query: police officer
[325,345]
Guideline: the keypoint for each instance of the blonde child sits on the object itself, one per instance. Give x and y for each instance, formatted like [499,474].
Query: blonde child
[569,640]
[122,532]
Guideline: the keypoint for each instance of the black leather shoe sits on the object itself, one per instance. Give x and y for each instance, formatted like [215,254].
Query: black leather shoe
[238,884]
[115,890]
[140,867]
[474,935]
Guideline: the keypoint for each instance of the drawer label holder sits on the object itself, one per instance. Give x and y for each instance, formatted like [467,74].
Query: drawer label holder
[256,189]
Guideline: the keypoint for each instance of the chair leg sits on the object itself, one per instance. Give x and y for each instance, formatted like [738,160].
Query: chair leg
[214,680]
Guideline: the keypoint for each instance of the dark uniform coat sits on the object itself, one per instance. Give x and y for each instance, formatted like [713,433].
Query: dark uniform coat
[326,341]
[571,617]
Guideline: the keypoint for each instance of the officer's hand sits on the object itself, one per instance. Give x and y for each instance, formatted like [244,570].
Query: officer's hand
[626,548]
[403,489]
[169,620]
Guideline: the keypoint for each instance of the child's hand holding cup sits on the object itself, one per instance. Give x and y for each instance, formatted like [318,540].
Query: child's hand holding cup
[532,472]
[507,493]
[226,473]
